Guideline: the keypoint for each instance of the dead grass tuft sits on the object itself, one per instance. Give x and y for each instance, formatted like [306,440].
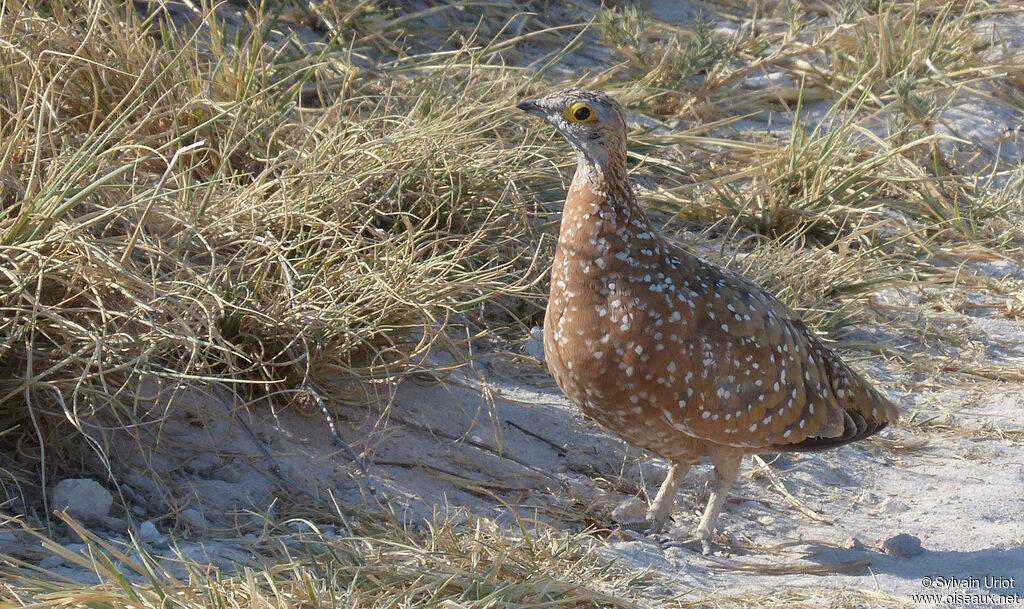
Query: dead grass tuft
[188,210]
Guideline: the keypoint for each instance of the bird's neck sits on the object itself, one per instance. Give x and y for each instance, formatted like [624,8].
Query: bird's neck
[602,219]
[600,194]
[604,163]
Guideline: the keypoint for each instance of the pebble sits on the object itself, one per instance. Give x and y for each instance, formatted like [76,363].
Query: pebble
[194,519]
[148,532]
[869,498]
[534,346]
[893,506]
[51,562]
[83,498]
[630,510]
[903,545]
[852,543]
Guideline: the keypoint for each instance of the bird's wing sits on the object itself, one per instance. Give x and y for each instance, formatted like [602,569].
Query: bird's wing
[764,379]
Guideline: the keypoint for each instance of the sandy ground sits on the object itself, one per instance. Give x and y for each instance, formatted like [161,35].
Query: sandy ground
[445,451]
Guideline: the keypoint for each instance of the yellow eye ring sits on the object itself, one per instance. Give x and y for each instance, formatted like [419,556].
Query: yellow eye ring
[580,112]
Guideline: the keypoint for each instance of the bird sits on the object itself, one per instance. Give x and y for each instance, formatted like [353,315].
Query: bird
[677,356]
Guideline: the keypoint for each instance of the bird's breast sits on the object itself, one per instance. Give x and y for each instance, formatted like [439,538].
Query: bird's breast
[606,349]
[615,317]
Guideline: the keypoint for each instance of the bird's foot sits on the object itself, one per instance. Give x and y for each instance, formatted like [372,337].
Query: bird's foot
[636,526]
[644,527]
[655,527]
[702,544]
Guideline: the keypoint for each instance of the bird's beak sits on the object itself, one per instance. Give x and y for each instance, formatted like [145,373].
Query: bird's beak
[531,106]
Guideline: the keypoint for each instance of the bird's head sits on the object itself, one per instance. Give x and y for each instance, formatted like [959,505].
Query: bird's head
[594,123]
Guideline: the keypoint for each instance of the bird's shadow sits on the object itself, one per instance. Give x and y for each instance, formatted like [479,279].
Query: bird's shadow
[998,571]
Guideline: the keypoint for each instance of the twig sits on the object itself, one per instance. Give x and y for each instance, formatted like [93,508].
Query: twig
[307,380]
[561,451]
[474,444]
[788,569]
[777,484]
[156,192]
[307,386]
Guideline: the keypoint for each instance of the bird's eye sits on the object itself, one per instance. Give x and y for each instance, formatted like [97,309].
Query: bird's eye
[580,112]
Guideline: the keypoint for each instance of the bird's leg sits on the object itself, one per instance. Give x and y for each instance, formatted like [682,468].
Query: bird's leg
[727,466]
[661,507]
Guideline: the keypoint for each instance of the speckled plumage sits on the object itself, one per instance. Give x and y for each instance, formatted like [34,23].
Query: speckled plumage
[676,355]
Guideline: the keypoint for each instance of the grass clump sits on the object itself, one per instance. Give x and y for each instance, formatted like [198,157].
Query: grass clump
[665,62]
[212,208]
[904,40]
[364,561]
[369,562]
[677,68]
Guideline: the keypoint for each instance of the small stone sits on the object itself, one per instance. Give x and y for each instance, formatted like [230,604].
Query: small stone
[893,506]
[534,346]
[204,465]
[83,498]
[869,498]
[852,543]
[194,519]
[903,545]
[148,532]
[51,562]
[680,534]
[227,474]
[630,510]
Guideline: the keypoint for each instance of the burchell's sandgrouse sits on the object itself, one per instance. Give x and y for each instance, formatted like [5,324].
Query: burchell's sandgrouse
[673,354]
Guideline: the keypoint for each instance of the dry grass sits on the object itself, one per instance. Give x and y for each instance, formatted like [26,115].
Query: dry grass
[193,216]
[224,205]
[363,561]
